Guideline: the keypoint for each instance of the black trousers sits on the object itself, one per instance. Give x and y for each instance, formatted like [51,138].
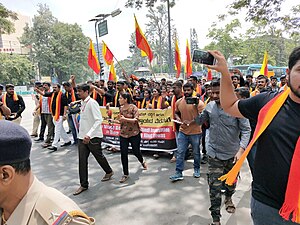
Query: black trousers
[135,145]
[47,120]
[84,150]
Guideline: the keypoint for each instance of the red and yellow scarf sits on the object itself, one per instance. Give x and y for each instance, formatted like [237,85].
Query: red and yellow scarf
[116,98]
[142,105]
[291,205]
[95,94]
[58,105]
[159,103]
[15,98]
[73,98]
[199,89]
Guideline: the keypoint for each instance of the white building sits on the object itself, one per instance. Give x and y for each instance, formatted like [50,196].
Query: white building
[9,43]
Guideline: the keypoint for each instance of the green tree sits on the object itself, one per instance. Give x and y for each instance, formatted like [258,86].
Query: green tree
[39,37]
[268,12]
[224,39]
[6,18]
[157,33]
[59,49]
[15,69]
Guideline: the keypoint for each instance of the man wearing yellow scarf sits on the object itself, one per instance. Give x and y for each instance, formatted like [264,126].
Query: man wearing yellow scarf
[276,175]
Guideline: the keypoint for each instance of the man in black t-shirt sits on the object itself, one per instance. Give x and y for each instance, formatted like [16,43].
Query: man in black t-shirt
[276,145]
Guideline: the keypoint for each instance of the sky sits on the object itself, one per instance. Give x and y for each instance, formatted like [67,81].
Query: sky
[186,14]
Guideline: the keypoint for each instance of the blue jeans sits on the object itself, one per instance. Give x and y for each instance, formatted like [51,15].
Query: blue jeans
[266,215]
[183,142]
[72,128]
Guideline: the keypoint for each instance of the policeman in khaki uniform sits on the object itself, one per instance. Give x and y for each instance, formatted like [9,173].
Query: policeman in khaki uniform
[24,200]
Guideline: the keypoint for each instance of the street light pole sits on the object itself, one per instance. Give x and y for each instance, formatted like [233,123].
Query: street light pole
[100,18]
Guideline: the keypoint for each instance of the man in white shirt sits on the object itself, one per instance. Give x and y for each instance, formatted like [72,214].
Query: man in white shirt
[90,138]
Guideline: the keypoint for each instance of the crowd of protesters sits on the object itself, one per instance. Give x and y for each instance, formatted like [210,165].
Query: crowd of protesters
[200,121]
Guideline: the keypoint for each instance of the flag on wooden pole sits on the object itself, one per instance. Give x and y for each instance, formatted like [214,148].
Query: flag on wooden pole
[142,42]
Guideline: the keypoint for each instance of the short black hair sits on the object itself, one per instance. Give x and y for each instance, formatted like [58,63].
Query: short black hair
[193,77]
[66,83]
[110,82]
[1,87]
[188,85]
[83,87]
[47,83]
[9,86]
[57,84]
[294,57]
[177,84]
[262,77]
[243,91]
[215,83]
[102,80]
[121,82]
[127,96]
[22,167]
[235,76]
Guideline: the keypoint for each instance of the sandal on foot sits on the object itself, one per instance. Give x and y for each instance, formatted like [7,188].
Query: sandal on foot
[144,165]
[124,178]
[229,206]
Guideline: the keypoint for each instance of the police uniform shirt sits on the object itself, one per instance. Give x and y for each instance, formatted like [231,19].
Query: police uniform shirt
[43,205]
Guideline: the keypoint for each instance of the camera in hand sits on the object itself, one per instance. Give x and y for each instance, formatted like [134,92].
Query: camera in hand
[192,100]
[203,57]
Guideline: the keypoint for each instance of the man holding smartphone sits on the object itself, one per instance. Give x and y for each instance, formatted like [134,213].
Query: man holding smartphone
[186,110]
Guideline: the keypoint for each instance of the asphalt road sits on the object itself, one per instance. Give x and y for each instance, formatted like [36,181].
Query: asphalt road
[147,198]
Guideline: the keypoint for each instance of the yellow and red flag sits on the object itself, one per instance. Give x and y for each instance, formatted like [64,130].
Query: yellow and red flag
[112,73]
[188,63]
[209,74]
[142,42]
[92,59]
[264,67]
[107,54]
[177,59]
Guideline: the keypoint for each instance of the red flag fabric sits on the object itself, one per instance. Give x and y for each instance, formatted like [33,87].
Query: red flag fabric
[92,59]
[177,59]
[209,74]
[112,73]
[107,54]
[141,41]
[188,63]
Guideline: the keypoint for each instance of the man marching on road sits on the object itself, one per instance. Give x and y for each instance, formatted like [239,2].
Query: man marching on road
[228,138]
[58,109]
[189,131]
[276,183]
[90,138]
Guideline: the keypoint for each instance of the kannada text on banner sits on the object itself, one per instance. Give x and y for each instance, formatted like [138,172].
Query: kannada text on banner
[156,129]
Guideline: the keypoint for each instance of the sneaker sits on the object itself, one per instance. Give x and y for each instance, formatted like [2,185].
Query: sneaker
[176,177]
[107,176]
[204,159]
[196,173]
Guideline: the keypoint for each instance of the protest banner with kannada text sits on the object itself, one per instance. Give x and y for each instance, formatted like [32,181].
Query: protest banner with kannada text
[156,129]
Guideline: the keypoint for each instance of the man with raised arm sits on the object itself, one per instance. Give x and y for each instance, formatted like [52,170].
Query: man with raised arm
[276,183]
